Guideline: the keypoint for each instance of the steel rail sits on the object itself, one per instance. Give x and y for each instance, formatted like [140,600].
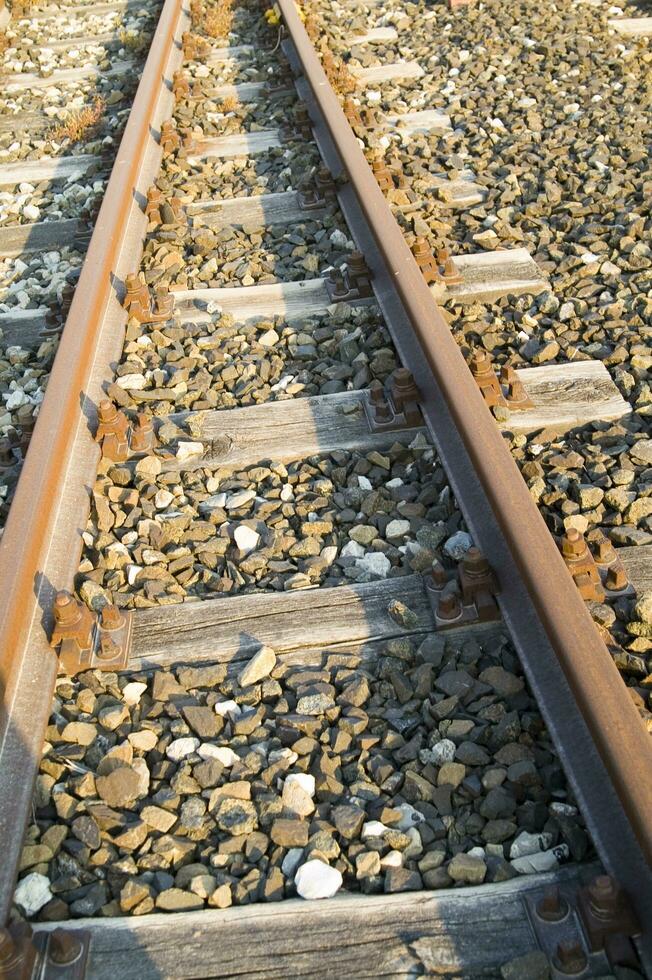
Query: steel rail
[602,698]
[41,544]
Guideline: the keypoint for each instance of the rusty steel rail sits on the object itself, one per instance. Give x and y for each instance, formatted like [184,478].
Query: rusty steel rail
[41,545]
[615,726]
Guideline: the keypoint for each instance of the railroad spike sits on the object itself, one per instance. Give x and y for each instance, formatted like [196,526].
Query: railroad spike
[382,175]
[517,397]
[426,261]
[359,274]
[486,379]
[169,138]
[181,86]
[112,431]
[581,565]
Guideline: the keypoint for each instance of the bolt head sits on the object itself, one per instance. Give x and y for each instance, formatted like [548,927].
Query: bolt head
[64,948]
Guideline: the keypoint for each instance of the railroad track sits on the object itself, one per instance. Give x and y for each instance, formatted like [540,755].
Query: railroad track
[313,635]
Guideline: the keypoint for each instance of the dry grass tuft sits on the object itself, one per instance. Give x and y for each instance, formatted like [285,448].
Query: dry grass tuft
[215,21]
[230,104]
[21,8]
[132,42]
[80,122]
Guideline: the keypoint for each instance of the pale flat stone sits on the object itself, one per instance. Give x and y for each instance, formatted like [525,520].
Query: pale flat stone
[32,893]
[260,666]
[181,747]
[315,880]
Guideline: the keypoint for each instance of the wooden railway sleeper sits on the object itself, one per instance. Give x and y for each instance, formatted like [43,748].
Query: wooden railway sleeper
[394,405]
[121,439]
[58,955]
[88,641]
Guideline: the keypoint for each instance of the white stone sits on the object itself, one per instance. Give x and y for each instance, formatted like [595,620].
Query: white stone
[132,693]
[132,573]
[375,562]
[31,212]
[246,538]
[32,893]
[443,751]
[131,382]
[458,545]
[589,257]
[526,844]
[269,338]
[352,550]
[181,747]
[315,880]
[228,708]
[186,450]
[222,753]
[365,483]
[261,665]
[287,493]
[373,828]
[409,816]
[304,780]
[393,859]
[397,529]
[291,861]
[215,502]
[163,499]
[541,861]
[338,239]
[239,499]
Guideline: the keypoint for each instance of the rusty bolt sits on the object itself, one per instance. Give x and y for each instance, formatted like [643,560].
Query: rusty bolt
[605,549]
[616,580]
[340,287]
[107,412]
[6,452]
[573,545]
[570,957]
[552,907]
[403,387]
[357,265]
[480,363]
[66,610]
[605,897]
[438,574]
[112,618]
[324,182]
[381,409]
[449,606]
[475,563]
[142,434]
[64,947]
[382,175]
